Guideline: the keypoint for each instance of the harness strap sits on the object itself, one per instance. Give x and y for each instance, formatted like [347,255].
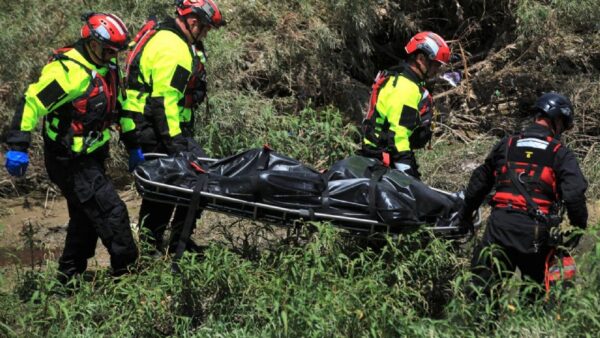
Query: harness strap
[532,208]
[190,220]
[376,176]
[263,159]
[325,201]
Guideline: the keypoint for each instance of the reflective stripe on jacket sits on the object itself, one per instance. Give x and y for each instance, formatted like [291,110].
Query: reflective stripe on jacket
[168,69]
[77,100]
[402,105]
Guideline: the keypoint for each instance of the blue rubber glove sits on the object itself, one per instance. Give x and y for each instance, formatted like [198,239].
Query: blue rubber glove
[16,162]
[135,157]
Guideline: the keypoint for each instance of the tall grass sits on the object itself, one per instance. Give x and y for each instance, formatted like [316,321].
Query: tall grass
[282,73]
[329,286]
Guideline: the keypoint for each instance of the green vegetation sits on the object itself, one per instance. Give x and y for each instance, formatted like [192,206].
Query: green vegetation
[296,75]
[329,286]
[313,136]
[544,17]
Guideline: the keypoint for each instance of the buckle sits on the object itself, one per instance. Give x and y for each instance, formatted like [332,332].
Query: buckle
[91,138]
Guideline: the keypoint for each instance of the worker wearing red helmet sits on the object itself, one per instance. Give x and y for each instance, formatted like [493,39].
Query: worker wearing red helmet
[166,80]
[400,112]
[77,95]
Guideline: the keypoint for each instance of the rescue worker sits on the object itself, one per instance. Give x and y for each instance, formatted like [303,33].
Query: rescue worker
[76,94]
[401,108]
[166,80]
[531,173]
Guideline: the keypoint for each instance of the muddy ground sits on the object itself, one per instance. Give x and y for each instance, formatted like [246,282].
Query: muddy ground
[33,229]
[41,219]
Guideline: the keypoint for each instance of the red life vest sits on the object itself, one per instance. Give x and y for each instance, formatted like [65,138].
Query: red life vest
[132,67]
[369,122]
[95,110]
[532,159]
[196,86]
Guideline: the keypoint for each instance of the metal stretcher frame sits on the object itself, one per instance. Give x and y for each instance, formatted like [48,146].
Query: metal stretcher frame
[360,223]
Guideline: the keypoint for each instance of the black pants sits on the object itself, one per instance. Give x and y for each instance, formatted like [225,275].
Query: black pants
[154,219]
[408,161]
[503,249]
[95,210]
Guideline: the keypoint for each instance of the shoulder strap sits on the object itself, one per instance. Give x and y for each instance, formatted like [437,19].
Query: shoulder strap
[60,56]
[532,207]
[377,172]
[151,26]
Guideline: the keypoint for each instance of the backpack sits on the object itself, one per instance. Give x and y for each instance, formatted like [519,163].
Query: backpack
[132,68]
[369,121]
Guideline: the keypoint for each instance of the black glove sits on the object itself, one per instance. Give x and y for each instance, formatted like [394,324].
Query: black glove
[465,221]
[420,136]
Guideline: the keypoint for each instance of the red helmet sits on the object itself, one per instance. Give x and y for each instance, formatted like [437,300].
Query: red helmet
[107,29]
[431,44]
[207,10]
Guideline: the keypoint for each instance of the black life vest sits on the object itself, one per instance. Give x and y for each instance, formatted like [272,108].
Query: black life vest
[531,158]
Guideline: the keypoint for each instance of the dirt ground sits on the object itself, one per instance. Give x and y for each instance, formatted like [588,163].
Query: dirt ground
[44,216]
[34,228]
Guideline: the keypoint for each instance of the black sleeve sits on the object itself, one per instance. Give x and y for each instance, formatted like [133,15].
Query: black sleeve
[482,180]
[571,186]
[131,139]
[15,138]
[155,110]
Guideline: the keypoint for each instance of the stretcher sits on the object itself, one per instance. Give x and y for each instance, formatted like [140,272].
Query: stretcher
[353,222]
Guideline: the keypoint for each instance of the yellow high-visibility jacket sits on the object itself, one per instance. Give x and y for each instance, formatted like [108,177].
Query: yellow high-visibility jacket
[165,81]
[403,105]
[78,101]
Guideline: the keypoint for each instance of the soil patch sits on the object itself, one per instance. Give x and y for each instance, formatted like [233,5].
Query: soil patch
[34,228]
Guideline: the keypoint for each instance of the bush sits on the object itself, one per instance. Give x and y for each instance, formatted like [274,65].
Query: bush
[330,286]
[239,121]
[546,17]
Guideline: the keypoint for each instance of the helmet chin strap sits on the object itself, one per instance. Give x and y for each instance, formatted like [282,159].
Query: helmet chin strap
[554,127]
[557,128]
[423,72]
[104,58]
[189,29]
[92,51]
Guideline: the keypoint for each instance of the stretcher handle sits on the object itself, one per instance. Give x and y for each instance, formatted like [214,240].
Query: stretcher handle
[159,155]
